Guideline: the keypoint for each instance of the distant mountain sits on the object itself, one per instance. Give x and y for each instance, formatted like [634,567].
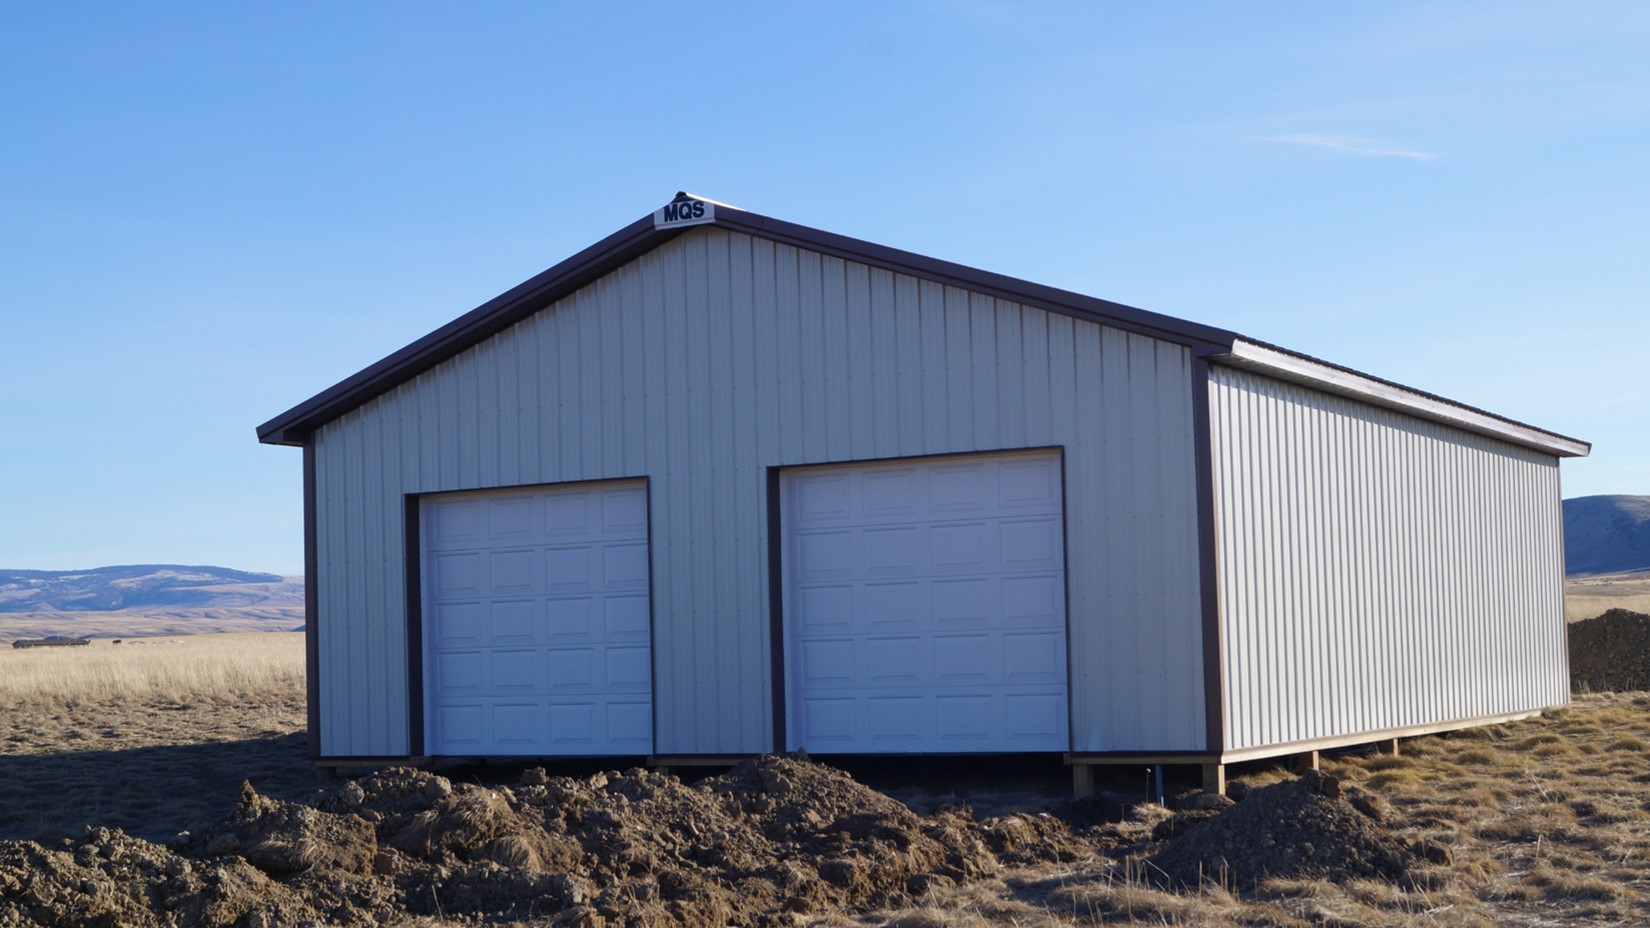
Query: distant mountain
[135,587]
[1606,534]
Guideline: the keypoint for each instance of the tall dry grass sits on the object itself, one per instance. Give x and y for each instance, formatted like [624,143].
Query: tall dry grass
[247,664]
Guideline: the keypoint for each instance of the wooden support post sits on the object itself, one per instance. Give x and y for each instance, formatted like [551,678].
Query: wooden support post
[1214,778]
[1387,746]
[1082,781]
[1306,760]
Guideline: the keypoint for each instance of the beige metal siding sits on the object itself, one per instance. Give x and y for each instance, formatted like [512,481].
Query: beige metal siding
[1375,570]
[717,356]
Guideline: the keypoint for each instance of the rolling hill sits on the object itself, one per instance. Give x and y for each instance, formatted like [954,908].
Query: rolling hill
[146,599]
[1606,535]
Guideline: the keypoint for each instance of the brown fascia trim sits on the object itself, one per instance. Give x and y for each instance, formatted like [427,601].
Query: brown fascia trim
[1202,338]
[491,317]
[1293,366]
[510,307]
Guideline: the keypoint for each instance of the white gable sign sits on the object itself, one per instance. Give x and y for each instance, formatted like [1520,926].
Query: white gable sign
[684,211]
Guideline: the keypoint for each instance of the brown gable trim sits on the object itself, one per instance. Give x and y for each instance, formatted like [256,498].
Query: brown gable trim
[475,326]
[510,307]
[1117,315]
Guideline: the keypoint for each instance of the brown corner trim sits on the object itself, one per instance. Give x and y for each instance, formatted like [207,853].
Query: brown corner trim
[776,609]
[312,598]
[412,554]
[1214,647]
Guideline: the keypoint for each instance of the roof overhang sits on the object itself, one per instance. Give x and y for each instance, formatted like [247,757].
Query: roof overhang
[1307,371]
[294,426]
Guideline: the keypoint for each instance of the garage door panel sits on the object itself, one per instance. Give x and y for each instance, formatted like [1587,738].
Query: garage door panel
[1030,601]
[1029,485]
[964,658]
[514,622]
[571,668]
[624,511]
[963,547]
[889,494]
[825,609]
[823,555]
[624,566]
[510,519]
[511,572]
[538,621]
[827,661]
[517,723]
[892,660]
[1032,544]
[925,605]
[890,551]
[625,617]
[627,669]
[458,574]
[461,671]
[896,719]
[960,602]
[457,523]
[460,623]
[889,607]
[518,670]
[1033,657]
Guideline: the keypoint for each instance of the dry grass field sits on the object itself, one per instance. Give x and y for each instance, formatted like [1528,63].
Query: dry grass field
[1544,822]
[150,735]
[1586,597]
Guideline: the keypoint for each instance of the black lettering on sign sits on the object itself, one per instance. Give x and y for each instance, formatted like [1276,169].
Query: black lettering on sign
[683,210]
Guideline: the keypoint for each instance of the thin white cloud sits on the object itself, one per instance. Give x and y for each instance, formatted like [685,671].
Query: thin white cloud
[1348,145]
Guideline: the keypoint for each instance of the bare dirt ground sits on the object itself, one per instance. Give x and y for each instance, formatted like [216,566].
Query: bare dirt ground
[1587,597]
[1543,822]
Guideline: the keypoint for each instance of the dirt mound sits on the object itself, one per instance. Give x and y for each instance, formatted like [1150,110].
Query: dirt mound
[774,837]
[1298,828]
[1610,652]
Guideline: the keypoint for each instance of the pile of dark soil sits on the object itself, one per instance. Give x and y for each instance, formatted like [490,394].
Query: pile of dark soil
[1302,828]
[773,838]
[774,841]
[1610,653]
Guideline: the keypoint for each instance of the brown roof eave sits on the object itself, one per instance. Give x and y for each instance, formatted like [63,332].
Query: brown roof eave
[294,426]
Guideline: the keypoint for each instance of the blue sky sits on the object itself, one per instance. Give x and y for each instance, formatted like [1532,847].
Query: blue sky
[210,212]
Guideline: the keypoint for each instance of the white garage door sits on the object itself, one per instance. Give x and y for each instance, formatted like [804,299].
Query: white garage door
[536,621]
[925,606]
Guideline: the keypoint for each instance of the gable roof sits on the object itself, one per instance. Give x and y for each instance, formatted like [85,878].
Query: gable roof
[686,212]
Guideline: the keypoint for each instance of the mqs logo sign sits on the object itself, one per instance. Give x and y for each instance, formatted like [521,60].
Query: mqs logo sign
[684,211]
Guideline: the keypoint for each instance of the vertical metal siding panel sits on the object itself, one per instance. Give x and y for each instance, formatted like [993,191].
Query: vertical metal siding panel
[982,327]
[333,622]
[634,322]
[1034,352]
[607,394]
[912,376]
[838,413]
[767,353]
[484,366]
[741,548]
[1391,550]
[591,375]
[863,403]
[792,347]
[1099,671]
[371,575]
[936,401]
[887,381]
[695,570]
[1008,362]
[815,396]
[959,379]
